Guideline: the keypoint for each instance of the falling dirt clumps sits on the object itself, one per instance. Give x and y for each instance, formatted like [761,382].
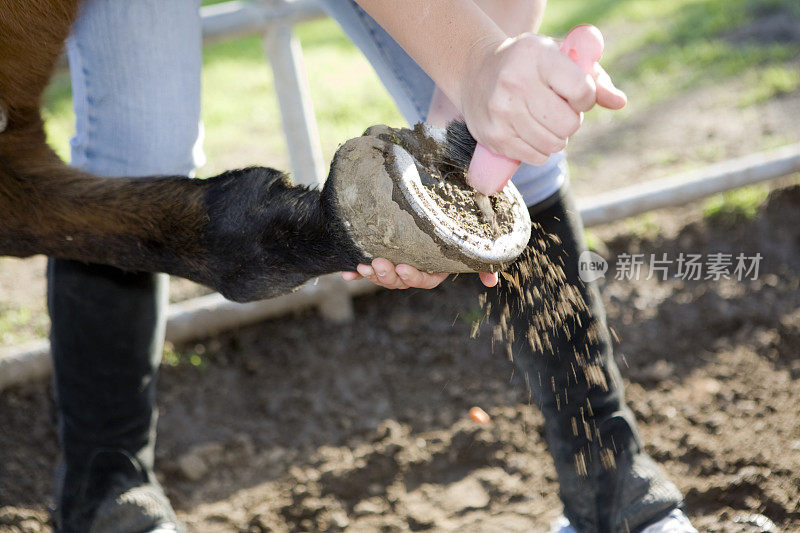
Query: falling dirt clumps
[535,289]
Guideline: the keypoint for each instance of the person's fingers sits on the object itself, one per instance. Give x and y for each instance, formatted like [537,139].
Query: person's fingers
[488,278]
[420,280]
[383,273]
[516,148]
[537,135]
[367,272]
[405,276]
[554,113]
[608,95]
[410,276]
[386,274]
[569,81]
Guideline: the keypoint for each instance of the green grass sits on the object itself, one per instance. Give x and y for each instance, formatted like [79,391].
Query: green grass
[642,227]
[20,324]
[593,242]
[184,358]
[663,48]
[472,315]
[737,205]
[771,82]
[240,110]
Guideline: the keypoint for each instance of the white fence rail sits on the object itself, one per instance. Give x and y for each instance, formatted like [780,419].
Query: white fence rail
[684,188]
[236,19]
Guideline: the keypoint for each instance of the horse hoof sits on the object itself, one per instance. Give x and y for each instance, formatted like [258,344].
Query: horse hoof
[401,200]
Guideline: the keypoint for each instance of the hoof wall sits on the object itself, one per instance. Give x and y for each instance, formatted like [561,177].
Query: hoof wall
[401,200]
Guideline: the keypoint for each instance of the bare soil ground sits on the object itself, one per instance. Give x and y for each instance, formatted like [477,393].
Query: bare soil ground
[300,425]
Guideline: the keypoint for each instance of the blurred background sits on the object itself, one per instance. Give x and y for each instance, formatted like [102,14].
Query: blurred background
[707,363]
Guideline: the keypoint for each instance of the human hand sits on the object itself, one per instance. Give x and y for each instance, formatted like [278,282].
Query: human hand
[384,274]
[523,98]
[608,95]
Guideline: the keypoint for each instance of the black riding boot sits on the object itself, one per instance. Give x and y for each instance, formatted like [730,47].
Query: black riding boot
[106,341]
[561,343]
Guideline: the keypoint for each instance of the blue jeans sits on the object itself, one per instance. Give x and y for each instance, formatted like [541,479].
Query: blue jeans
[135,69]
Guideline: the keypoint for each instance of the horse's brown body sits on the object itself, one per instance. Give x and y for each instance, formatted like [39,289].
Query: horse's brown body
[248,233]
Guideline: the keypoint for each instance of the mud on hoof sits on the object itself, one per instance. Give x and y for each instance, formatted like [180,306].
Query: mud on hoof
[401,199]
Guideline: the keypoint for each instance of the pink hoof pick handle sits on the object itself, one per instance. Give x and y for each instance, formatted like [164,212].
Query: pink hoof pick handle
[490,171]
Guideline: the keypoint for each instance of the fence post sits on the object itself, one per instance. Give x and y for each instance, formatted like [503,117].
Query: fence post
[297,113]
[300,127]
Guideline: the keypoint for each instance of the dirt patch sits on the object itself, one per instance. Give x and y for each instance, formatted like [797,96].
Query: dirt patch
[460,203]
[299,425]
[443,174]
[695,128]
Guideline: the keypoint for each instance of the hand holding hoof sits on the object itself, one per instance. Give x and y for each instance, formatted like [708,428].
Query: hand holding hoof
[384,274]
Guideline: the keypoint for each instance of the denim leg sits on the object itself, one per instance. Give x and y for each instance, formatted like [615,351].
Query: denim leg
[135,68]
[406,82]
[607,482]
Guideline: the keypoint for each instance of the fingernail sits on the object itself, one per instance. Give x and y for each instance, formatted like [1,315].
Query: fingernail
[404,276]
[380,273]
